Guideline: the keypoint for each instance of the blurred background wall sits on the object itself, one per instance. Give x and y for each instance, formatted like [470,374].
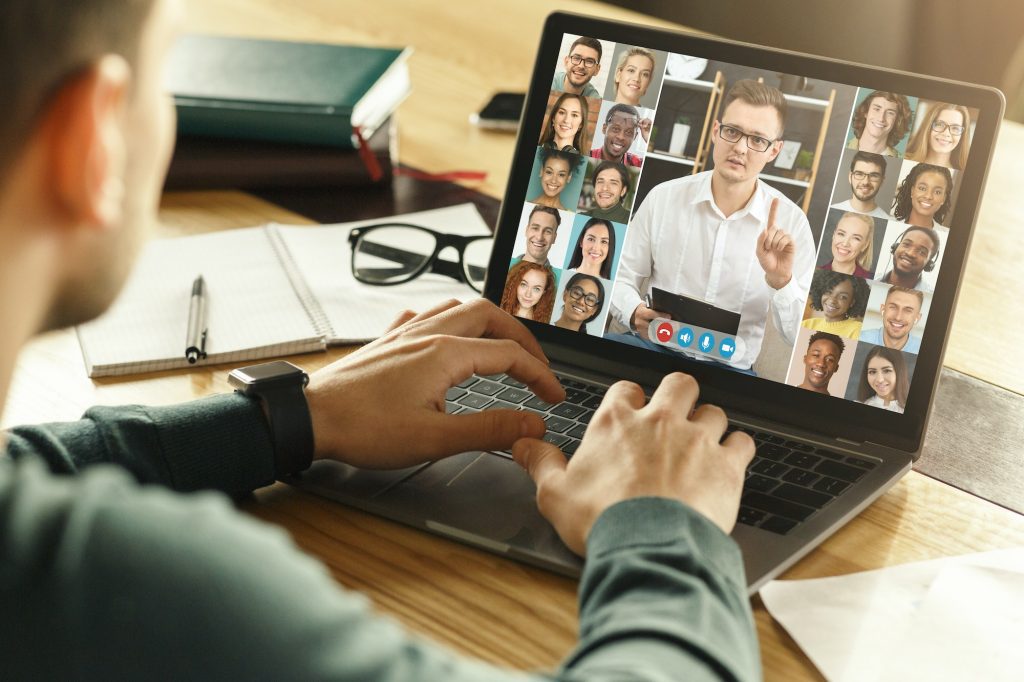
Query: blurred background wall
[978,41]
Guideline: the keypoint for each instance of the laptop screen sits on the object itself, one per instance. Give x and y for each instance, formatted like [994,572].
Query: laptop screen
[744,219]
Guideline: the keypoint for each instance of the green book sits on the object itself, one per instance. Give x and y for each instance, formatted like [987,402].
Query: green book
[284,91]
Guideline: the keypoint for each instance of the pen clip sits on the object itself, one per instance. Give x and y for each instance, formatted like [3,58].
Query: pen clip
[202,344]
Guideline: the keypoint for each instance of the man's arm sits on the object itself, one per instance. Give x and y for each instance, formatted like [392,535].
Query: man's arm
[785,251]
[635,265]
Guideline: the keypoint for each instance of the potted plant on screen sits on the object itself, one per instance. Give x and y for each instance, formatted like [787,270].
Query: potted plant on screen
[680,134]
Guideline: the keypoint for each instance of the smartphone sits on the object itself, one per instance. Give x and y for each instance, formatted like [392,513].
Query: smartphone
[502,112]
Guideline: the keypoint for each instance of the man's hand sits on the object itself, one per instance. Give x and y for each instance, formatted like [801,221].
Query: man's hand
[382,406]
[642,317]
[775,251]
[645,125]
[664,449]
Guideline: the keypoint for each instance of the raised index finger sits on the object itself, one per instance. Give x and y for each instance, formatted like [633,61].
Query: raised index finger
[772,211]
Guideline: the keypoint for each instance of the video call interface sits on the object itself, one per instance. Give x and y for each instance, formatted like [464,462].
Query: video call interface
[769,224]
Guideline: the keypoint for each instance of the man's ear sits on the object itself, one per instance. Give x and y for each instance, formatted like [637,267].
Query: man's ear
[87,146]
[775,149]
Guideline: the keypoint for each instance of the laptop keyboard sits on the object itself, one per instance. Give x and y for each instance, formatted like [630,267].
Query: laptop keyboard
[787,481]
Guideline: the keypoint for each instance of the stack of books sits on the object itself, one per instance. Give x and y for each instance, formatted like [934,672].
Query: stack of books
[256,114]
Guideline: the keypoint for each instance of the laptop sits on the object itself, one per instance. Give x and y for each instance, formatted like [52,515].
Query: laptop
[875,178]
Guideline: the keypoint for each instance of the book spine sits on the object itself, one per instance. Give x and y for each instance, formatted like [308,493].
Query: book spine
[324,126]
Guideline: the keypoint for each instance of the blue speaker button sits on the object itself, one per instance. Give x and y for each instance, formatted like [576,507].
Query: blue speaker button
[685,337]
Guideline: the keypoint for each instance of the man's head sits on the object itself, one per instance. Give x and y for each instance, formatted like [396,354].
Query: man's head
[541,232]
[867,171]
[821,360]
[884,116]
[620,128]
[749,134]
[582,63]
[87,132]
[611,184]
[913,252]
[901,310]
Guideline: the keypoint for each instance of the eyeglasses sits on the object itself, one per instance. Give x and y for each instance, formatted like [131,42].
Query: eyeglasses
[577,293]
[954,130]
[860,175]
[588,62]
[754,142]
[394,253]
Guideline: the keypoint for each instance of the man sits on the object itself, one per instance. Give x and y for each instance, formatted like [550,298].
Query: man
[914,252]
[880,122]
[104,578]
[744,246]
[900,311]
[611,185]
[541,233]
[620,127]
[581,65]
[867,172]
[821,361]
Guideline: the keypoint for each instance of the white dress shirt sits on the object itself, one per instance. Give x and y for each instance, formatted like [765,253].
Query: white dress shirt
[877,213]
[680,241]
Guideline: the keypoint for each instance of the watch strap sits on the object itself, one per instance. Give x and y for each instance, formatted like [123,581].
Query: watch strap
[291,427]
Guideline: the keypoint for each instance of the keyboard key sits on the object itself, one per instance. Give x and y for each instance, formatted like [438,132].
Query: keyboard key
[577,431]
[751,517]
[568,410]
[862,463]
[770,451]
[570,447]
[802,460]
[802,447]
[454,393]
[828,453]
[501,405]
[761,484]
[537,405]
[451,408]
[769,468]
[575,396]
[774,505]
[486,387]
[473,400]
[572,383]
[557,424]
[800,477]
[794,493]
[777,524]
[770,438]
[468,382]
[840,471]
[593,402]
[509,381]
[556,438]
[514,395]
[585,417]
[493,377]
[832,486]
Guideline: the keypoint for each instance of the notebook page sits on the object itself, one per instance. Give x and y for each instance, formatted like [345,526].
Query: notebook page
[359,312]
[252,310]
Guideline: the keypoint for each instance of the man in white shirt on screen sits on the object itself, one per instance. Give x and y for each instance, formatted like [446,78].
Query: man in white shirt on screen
[722,235]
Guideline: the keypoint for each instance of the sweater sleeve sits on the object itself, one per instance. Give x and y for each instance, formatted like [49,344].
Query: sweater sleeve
[221,442]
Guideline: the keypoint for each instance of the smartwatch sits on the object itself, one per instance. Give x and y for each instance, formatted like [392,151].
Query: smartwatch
[279,385]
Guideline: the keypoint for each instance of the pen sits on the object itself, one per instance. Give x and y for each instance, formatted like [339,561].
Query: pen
[195,338]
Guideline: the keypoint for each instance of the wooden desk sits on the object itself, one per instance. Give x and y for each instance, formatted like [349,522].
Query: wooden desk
[472,601]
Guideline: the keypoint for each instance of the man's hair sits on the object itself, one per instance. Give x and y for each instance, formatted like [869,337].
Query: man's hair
[899,126]
[592,43]
[550,211]
[621,109]
[897,289]
[901,203]
[43,43]
[818,336]
[868,157]
[758,95]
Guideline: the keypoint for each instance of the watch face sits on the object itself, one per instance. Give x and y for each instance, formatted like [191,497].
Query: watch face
[270,371]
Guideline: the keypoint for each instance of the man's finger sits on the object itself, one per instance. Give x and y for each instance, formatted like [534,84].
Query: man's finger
[772,211]
[543,461]
[481,318]
[466,356]
[487,430]
[625,392]
[676,393]
[434,311]
[403,317]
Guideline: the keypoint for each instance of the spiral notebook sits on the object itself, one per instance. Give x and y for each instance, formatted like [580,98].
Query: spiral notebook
[272,290]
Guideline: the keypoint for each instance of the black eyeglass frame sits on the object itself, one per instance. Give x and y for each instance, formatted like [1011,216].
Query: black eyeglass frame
[459,271]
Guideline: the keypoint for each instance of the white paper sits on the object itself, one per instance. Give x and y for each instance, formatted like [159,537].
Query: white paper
[855,627]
